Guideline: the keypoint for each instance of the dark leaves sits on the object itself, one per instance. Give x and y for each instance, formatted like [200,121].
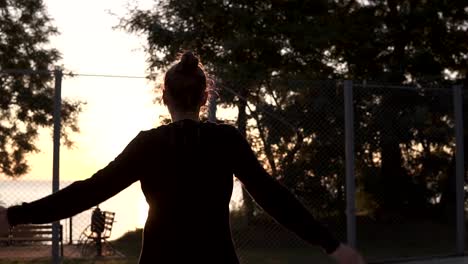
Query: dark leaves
[26,101]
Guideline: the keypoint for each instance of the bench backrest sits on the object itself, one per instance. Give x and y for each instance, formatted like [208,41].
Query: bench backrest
[32,233]
[108,223]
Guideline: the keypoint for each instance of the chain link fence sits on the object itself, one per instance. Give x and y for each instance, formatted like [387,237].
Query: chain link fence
[404,157]
[405,145]
[298,136]
[107,123]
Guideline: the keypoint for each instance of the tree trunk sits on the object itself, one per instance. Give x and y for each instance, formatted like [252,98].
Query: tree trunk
[395,182]
[394,178]
[268,151]
[447,204]
[248,203]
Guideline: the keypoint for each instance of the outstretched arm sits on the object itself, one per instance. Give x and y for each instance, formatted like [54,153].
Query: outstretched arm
[81,195]
[275,199]
[282,205]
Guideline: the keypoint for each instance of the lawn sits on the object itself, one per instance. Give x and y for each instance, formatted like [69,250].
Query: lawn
[263,244]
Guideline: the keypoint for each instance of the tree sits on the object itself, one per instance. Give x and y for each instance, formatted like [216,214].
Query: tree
[242,43]
[255,48]
[404,42]
[26,101]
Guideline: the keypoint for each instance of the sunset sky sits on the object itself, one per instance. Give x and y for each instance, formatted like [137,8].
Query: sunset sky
[116,108]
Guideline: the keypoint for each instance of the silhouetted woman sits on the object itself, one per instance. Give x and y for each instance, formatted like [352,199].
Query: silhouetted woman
[188,219]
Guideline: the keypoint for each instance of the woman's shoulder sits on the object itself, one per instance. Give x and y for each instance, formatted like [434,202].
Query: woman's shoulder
[165,129]
[221,126]
[149,134]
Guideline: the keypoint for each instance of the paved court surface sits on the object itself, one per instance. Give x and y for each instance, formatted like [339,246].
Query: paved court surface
[31,252]
[39,252]
[458,260]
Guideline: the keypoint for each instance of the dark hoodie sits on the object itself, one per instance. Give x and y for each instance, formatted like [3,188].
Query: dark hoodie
[176,164]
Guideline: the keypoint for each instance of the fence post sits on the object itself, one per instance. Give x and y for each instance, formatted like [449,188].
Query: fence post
[460,169]
[70,227]
[56,159]
[349,156]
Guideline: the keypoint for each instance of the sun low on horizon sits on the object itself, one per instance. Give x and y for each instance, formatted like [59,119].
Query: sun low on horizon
[115,109]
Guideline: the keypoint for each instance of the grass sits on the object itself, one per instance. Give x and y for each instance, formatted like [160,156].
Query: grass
[71,261]
[264,244]
[129,244]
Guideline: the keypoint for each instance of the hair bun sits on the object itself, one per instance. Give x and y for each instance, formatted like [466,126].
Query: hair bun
[188,63]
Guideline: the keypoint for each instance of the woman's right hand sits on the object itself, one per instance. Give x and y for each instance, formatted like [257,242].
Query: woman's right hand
[344,254]
[4,225]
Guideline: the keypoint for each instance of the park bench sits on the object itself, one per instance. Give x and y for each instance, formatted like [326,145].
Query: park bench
[94,239]
[31,234]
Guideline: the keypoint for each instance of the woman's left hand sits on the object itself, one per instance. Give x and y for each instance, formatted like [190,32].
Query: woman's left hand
[347,255]
[4,225]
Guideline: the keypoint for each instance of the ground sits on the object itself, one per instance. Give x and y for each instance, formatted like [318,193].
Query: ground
[266,245]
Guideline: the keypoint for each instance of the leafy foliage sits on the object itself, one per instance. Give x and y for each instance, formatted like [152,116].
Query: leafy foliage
[26,100]
[260,51]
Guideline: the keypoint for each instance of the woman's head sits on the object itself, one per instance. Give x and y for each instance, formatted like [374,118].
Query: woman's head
[185,85]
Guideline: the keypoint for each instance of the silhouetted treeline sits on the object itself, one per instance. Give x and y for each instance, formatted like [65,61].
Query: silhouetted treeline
[264,50]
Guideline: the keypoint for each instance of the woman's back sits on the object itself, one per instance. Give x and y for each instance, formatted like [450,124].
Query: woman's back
[185,169]
[188,219]
[188,185]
